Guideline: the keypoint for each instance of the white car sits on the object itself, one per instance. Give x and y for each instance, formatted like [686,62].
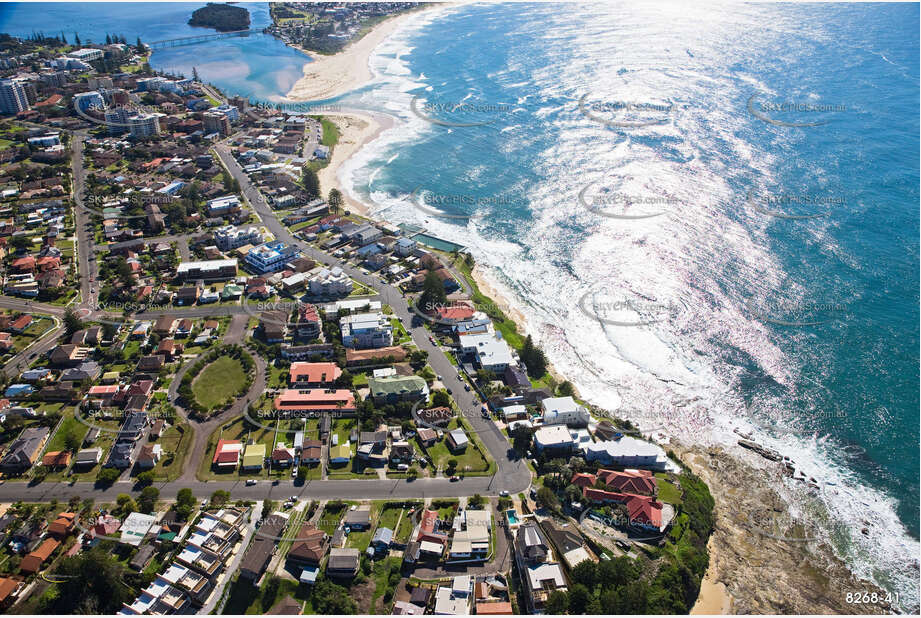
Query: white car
[504,493]
[250,482]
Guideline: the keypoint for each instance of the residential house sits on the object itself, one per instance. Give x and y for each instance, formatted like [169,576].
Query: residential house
[490,351]
[253,456]
[23,452]
[309,547]
[393,389]
[457,440]
[359,518]
[56,460]
[33,561]
[149,455]
[314,375]
[316,401]
[343,562]
[540,577]
[435,416]
[366,330]
[227,454]
[87,458]
[565,411]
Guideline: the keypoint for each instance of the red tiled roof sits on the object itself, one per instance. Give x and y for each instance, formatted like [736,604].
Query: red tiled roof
[52,100]
[222,455]
[583,479]
[396,352]
[315,373]
[316,399]
[494,608]
[56,459]
[632,482]
[456,312]
[33,561]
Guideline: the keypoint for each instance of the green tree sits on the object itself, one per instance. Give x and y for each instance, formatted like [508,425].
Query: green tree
[476,501]
[521,439]
[220,497]
[441,398]
[548,499]
[311,181]
[148,499]
[557,602]
[330,598]
[534,359]
[334,199]
[433,294]
[72,323]
[72,441]
[185,503]
[107,476]
[566,389]
[126,504]
[146,477]
[578,599]
[92,582]
[20,242]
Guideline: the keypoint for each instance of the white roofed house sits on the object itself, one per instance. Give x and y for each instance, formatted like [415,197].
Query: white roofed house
[491,351]
[564,410]
[553,438]
[366,330]
[627,452]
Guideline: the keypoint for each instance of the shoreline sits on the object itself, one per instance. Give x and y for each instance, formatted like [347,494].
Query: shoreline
[733,581]
[356,129]
[326,77]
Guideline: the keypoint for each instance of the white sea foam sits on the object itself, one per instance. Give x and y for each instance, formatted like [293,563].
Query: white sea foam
[667,373]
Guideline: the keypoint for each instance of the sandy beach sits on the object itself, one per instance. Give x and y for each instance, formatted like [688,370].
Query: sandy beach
[355,130]
[330,76]
[714,597]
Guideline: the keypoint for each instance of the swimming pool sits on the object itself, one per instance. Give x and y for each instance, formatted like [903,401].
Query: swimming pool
[512,517]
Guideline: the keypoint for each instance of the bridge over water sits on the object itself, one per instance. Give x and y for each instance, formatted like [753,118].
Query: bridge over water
[192,40]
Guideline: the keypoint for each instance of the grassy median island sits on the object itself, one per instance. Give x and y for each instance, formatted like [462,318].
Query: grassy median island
[216,379]
[218,382]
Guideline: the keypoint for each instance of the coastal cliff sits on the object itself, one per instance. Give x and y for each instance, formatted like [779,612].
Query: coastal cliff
[766,570]
[221,17]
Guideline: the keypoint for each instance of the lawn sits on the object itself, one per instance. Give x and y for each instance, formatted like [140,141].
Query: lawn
[406,524]
[218,382]
[331,517]
[244,598]
[390,515]
[175,443]
[470,461]
[668,491]
[69,426]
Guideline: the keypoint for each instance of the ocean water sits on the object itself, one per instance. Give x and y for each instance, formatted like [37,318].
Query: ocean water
[690,252]
[258,66]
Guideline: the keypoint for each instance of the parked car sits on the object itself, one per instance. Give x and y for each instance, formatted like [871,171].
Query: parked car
[250,482]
